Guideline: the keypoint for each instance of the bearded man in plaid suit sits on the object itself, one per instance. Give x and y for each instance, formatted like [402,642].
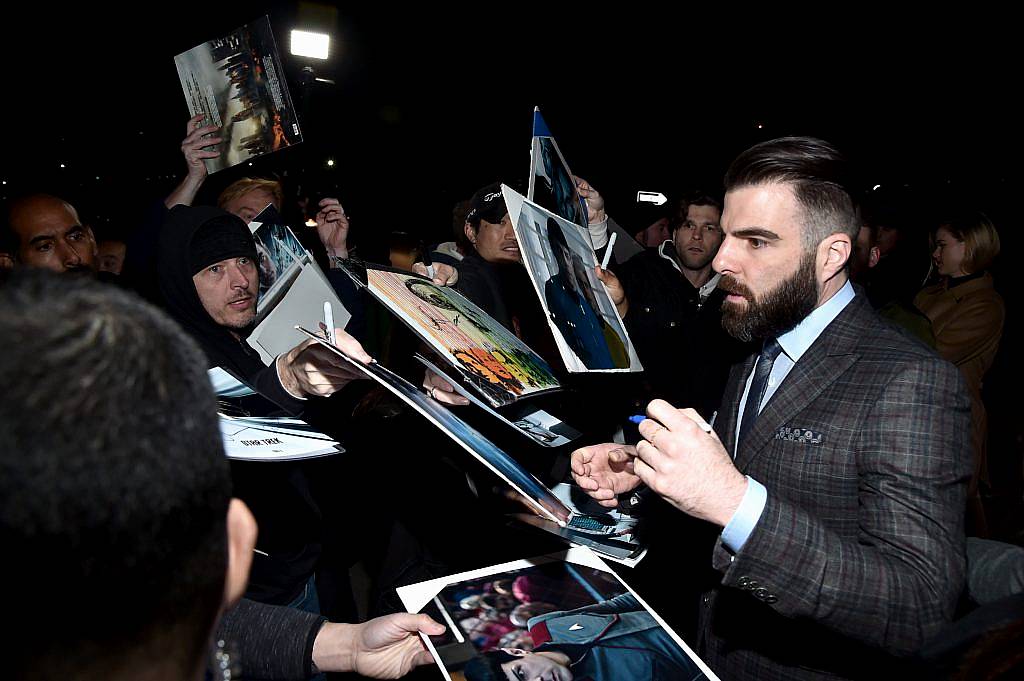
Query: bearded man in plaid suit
[837,474]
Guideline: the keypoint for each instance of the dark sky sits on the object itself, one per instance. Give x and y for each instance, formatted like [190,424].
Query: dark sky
[429,106]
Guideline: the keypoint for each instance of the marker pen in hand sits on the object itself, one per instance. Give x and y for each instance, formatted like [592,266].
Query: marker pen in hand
[608,251]
[428,263]
[706,427]
[329,322]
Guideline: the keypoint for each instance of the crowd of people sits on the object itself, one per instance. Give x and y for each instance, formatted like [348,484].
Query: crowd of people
[813,458]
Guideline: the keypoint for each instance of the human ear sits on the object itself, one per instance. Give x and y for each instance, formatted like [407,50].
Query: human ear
[241,528]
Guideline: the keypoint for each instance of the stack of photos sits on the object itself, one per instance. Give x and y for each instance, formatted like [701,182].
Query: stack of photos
[558,617]
[540,498]
[536,424]
[552,185]
[605,533]
[487,355]
[237,83]
[248,433]
[587,328]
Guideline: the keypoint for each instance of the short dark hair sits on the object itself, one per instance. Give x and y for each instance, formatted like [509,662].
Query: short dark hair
[487,666]
[821,178]
[693,197]
[10,240]
[114,487]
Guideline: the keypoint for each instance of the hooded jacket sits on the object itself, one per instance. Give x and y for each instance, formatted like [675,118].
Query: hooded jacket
[289,519]
[181,300]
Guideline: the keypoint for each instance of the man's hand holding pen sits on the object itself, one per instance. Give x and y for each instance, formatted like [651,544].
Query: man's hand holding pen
[680,458]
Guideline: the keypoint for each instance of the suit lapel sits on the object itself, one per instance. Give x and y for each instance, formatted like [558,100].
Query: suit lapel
[827,359]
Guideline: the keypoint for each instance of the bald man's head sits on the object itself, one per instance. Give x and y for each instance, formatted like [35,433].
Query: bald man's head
[46,232]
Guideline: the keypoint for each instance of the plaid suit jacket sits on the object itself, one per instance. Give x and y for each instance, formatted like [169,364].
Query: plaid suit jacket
[858,557]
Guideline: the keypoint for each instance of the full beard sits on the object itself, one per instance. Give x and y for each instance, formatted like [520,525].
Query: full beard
[780,310]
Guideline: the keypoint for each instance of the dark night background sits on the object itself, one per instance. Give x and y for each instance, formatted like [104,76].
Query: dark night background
[432,102]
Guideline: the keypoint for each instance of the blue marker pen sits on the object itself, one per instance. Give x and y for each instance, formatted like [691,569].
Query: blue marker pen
[706,427]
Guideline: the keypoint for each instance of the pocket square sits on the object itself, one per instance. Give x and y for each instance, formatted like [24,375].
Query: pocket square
[798,435]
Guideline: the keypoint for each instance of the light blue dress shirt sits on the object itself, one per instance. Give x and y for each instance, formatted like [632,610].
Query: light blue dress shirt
[794,343]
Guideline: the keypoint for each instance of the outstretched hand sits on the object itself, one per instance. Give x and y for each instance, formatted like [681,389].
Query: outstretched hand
[593,199]
[605,471]
[195,147]
[441,390]
[444,274]
[309,369]
[386,647]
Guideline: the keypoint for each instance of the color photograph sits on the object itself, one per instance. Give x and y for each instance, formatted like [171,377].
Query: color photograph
[238,84]
[587,327]
[559,617]
[490,357]
[551,182]
[278,251]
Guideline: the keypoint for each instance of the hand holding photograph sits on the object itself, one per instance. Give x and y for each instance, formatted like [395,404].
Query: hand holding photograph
[238,84]
[587,328]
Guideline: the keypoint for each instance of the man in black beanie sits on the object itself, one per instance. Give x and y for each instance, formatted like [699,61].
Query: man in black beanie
[209,282]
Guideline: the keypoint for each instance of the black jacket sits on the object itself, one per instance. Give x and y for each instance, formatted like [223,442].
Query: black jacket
[278,493]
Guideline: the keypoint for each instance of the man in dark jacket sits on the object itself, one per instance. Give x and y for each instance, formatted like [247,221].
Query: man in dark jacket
[121,519]
[209,281]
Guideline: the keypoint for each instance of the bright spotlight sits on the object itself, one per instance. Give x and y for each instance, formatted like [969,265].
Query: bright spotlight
[308,44]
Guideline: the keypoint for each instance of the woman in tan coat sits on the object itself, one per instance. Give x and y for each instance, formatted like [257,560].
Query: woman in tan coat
[966,314]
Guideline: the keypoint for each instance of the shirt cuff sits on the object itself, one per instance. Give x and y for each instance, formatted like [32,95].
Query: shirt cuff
[744,520]
[598,233]
[277,370]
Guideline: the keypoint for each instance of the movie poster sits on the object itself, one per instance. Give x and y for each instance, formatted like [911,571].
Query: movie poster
[238,84]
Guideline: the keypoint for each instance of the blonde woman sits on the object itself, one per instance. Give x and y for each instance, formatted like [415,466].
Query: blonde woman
[967,314]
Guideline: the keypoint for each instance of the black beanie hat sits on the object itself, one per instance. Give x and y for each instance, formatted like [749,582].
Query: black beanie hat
[220,238]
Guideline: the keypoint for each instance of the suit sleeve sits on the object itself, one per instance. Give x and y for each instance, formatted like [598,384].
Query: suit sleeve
[896,583]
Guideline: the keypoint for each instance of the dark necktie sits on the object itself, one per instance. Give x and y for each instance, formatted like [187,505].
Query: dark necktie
[765,362]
